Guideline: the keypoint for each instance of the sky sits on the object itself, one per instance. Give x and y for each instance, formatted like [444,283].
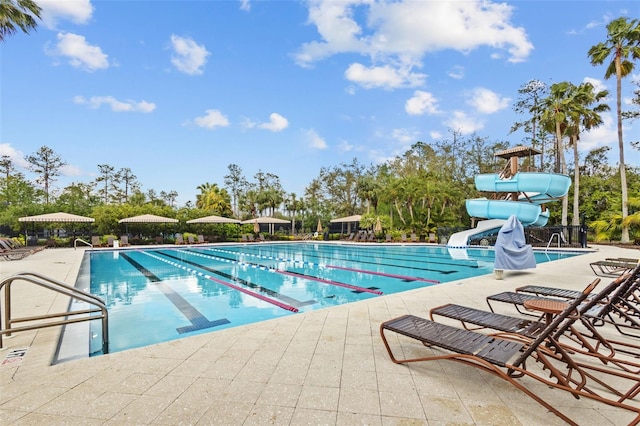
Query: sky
[177,91]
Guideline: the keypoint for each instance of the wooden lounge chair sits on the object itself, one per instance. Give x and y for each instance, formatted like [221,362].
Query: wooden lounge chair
[509,358]
[611,268]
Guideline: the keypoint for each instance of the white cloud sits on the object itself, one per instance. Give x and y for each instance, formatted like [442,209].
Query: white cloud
[456,72]
[70,170]
[345,146]
[399,34]
[213,118]
[80,53]
[385,76]
[16,156]
[245,5]
[604,135]
[76,11]
[116,105]
[276,123]
[314,140]
[461,122]
[421,102]
[188,57]
[486,101]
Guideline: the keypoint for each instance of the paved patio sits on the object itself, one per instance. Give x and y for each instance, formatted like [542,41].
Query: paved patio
[324,367]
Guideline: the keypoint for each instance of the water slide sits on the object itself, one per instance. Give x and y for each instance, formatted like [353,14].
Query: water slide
[533,189]
[461,239]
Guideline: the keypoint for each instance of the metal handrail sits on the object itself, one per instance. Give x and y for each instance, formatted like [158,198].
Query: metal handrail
[560,239]
[70,316]
[75,243]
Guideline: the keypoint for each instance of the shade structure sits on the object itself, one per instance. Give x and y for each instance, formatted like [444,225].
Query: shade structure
[148,218]
[213,219]
[265,219]
[56,217]
[348,219]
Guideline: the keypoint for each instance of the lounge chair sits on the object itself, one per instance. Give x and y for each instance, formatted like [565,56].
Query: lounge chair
[191,239]
[95,241]
[414,238]
[261,237]
[179,239]
[110,241]
[508,357]
[388,238]
[611,267]
[11,252]
[403,238]
[124,241]
[581,338]
[201,239]
[432,237]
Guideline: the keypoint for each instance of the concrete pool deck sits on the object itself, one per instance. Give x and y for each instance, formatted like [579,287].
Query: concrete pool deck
[322,367]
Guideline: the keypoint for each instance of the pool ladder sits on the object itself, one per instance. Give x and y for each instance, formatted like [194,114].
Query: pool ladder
[97,306]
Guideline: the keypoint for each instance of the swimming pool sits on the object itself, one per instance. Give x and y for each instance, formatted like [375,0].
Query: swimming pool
[159,294]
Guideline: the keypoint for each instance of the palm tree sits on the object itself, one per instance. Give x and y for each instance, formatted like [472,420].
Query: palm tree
[555,109]
[16,14]
[581,116]
[623,41]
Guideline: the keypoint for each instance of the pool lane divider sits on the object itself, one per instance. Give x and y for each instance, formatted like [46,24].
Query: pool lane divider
[226,284]
[289,273]
[195,317]
[289,300]
[320,265]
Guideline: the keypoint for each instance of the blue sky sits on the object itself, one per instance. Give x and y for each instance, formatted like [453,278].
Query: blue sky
[178,90]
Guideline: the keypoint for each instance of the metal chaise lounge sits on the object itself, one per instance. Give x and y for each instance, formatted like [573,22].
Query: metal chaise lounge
[612,267]
[509,358]
[586,340]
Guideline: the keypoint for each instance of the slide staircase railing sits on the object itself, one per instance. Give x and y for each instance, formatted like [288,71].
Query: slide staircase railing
[96,310]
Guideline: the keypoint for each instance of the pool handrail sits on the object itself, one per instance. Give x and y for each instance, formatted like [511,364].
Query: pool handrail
[59,287]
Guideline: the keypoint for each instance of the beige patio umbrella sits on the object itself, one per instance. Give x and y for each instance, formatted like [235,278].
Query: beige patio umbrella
[59,217]
[213,219]
[348,220]
[265,219]
[319,229]
[256,226]
[56,217]
[146,218]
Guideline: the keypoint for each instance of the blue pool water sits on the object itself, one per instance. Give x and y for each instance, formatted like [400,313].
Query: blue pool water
[161,294]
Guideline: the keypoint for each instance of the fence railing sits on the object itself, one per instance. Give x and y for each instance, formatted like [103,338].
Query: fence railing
[548,236]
